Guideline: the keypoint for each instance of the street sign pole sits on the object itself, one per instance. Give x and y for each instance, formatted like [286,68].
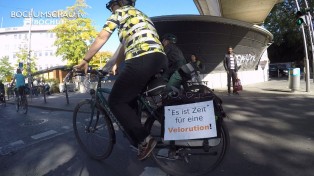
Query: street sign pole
[30,80]
[311,33]
[307,76]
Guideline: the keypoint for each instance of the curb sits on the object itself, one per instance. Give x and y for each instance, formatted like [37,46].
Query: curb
[47,108]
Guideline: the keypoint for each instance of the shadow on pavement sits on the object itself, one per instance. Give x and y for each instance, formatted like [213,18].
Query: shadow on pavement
[270,135]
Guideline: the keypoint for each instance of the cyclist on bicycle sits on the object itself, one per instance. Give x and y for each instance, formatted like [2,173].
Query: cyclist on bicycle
[175,60]
[20,82]
[144,57]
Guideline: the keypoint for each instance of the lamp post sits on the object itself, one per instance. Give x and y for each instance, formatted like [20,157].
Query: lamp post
[311,31]
[29,51]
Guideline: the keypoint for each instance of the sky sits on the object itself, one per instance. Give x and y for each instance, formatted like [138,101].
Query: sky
[11,10]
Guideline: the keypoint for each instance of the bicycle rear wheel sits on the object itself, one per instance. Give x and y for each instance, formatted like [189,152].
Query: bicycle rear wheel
[2,101]
[93,130]
[17,104]
[24,105]
[193,161]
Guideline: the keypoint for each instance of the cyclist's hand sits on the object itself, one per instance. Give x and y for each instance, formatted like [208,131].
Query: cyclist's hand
[82,66]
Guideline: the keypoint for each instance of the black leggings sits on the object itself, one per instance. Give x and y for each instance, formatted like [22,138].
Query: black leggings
[19,91]
[129,84]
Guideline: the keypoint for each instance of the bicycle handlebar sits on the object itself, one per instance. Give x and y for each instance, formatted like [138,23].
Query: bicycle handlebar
[100,73]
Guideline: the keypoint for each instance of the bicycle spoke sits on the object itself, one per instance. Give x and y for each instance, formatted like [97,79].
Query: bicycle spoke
[192,158]
[95,139]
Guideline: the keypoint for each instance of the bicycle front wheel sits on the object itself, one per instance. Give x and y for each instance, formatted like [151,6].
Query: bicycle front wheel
[187,159]
[93,130]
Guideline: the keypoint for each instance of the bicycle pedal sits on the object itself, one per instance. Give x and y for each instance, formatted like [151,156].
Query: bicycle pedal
[133,148]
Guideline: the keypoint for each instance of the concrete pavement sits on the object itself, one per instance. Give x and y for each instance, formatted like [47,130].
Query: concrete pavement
[270,127]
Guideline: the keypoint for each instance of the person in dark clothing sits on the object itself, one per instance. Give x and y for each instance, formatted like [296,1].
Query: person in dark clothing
[2,91]
[198,66]
[1,86]
[196,63]
[231,67]
[175,60]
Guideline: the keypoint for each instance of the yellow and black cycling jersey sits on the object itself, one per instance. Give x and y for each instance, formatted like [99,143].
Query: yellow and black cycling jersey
[136,32]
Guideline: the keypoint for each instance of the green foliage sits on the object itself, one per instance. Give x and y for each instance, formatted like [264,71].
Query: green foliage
[6,69]
[282,23]
[22,56]
[100,59]
[54,85]
[74,34]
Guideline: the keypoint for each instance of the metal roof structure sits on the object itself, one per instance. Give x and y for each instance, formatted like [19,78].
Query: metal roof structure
[210,36]
[251,11]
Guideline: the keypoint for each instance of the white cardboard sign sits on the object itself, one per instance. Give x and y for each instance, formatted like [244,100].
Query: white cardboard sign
[190,121]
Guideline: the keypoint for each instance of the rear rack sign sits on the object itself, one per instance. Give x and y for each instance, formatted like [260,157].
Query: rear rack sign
[190,121]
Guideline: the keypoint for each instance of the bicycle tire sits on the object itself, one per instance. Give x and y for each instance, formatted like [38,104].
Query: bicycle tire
[198,162]
[97,140]
[17,104]
[24,105]
[3,101]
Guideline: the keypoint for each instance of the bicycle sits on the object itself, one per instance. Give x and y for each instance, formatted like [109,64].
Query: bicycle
[21,102]
[94,128]
[65,80]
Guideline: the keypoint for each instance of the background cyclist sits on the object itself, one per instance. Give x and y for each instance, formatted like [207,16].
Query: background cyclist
[175,60]
[144,57]
[20,82]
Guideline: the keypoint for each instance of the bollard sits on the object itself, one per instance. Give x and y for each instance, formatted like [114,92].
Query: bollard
[294,79]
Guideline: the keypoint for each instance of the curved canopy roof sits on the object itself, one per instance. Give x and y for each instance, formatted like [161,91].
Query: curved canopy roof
[252,11]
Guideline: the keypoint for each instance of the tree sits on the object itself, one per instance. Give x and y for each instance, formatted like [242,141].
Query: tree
[6,69]
[22,56]
[74,34]
[100,59]
[288,43]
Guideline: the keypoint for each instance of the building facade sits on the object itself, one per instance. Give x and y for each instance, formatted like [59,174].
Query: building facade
[36,37]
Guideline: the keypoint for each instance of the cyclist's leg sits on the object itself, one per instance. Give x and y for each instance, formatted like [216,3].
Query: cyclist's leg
[229,81]
[174,81]
[128,86]
[16,92]
[21,92]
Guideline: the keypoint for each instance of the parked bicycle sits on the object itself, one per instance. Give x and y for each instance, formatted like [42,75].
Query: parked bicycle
[65,80]
[94,127]
[2,98]
[21,101]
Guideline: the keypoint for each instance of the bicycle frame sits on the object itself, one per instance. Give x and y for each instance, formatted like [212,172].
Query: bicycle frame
[178,153]
[99,100]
